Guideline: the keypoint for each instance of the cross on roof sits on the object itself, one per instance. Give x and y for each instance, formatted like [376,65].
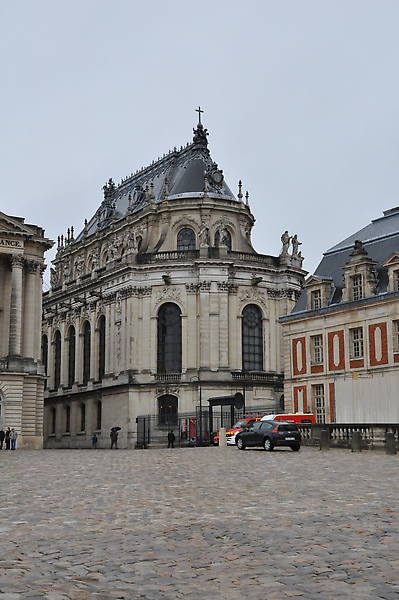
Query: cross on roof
[199,111]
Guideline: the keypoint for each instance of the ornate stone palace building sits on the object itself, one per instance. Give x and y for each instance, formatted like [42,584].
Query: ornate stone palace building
[22,377]
[342,338]
[161,299]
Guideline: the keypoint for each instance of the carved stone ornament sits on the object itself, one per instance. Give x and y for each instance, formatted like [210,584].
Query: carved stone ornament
[254,295]
[168,293]
[166,390]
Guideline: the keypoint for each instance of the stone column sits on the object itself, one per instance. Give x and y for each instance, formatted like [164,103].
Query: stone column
[17,263]
[29,310]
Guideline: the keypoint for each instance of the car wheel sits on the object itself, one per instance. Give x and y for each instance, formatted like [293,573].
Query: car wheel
[296,447]
[240,444]
[267,444]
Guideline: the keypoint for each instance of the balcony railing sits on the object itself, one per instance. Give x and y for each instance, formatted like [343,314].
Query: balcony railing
[213,252]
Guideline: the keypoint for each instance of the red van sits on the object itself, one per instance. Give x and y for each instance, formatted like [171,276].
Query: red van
[304,418]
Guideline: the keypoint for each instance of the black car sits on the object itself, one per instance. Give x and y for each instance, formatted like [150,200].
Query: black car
[269,434]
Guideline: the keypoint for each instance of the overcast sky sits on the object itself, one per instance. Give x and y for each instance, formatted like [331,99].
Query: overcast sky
[301,102]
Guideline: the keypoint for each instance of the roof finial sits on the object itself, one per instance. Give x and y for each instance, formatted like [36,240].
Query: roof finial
[199,111]
[240,190]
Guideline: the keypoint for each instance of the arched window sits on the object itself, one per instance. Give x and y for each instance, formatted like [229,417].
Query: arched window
[226,238]
[186,239]
[45,356]
[98,415]
[53,416]
[86,352]
[169,339]
[101,348]
[57,359]
[167,410]
[71,356]
[82,417]
[252,339]
[67,419]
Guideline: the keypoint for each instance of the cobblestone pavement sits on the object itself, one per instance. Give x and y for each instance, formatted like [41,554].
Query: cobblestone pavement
[198,523]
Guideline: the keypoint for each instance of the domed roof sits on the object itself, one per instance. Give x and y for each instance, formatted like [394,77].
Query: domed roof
[184,173]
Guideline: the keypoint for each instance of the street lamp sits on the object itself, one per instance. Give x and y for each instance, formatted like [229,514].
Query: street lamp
[197,378]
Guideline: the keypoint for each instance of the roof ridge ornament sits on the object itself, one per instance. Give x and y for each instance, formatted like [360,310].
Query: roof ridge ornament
[200,134]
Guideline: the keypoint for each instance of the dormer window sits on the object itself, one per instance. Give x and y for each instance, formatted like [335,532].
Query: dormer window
[316,299]
[396,280]
[360,276]
[357,287]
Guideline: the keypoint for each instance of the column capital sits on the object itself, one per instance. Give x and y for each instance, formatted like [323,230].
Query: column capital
[31,266]
[17,260]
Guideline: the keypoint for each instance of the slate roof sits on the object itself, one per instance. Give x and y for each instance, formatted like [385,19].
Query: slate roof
[181,171]
[380,238]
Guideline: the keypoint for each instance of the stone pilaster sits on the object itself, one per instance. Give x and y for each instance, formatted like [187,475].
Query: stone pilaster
[17,263]
[28,350]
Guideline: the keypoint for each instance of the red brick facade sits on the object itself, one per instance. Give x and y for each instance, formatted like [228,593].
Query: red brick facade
[299,348]
[341,350]
[297,390]
[373,347]
[331,393]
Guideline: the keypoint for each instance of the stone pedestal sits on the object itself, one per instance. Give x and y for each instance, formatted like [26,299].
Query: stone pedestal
[222,438]
[390,442]
[356,441]
[324,440]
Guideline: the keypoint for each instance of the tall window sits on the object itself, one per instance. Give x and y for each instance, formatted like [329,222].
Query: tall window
[252,339]
[53,416]
[316,300]
[357,287]
[316,344]
[186,239]
[71,356]
[45,356]
[82,417]
[101,348]
[86,352]
[99,414]
[318,391]
[357,342]
[57,360]
[169,339]
[226,238]
[396,336]
[167,410]
[396,281]
[67,419]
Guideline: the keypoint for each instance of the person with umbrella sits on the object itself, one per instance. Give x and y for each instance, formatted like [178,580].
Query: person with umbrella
[114,437]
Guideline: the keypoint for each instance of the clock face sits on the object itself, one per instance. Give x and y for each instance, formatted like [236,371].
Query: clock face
[217,176]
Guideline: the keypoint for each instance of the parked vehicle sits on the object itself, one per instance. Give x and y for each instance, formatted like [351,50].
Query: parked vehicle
[232,431]
[237,428]
[306,418]
[269,434]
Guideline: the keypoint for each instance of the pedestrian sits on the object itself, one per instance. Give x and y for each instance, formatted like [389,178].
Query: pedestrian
[114,438]
[7,438]
[13,438]
[94,442]
[171,439]
[2,436]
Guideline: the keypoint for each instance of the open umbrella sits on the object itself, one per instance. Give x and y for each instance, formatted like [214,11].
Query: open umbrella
[115,428]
